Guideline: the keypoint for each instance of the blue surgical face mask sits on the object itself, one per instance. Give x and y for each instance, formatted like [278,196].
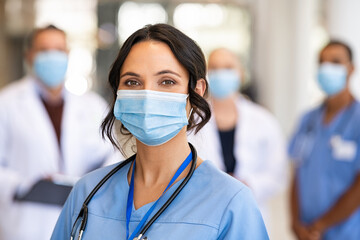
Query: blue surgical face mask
[50,67]
[224,82]
[152,117]
[332,78]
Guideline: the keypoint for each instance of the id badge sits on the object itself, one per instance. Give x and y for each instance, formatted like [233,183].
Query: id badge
[304,144]
[343,150]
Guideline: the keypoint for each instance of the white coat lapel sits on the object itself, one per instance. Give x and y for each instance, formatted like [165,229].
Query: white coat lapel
[39,128]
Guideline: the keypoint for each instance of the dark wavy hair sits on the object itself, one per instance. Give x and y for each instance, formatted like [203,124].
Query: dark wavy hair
[187,52]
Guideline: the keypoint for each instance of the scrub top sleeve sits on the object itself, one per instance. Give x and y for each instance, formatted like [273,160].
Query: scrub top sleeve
[242,219]
[64,223]
[357,166]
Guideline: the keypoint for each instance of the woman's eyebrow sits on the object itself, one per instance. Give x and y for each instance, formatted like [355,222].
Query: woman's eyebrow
[167,71]
[130,74]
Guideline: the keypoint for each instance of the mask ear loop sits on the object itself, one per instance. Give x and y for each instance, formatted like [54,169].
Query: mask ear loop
[191,110]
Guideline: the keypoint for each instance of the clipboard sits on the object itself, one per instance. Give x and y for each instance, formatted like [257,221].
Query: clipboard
[46,192]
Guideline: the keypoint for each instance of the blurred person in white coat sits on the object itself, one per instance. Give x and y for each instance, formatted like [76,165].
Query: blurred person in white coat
[242,138]
[45,133]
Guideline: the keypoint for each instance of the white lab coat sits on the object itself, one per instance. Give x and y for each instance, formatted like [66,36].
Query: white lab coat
[29,151]
[259,150]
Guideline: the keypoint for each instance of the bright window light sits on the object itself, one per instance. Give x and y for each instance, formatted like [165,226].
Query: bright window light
[76,84]
[80,61]
[133,16]
[189,15]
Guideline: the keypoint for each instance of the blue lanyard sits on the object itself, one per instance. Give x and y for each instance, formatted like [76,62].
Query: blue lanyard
[130,199]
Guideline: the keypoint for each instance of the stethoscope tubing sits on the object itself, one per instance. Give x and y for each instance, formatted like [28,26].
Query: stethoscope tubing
[84,210]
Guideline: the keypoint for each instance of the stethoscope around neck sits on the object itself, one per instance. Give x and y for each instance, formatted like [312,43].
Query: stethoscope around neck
[83,214]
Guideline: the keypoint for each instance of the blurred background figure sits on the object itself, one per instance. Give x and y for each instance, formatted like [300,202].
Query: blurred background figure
[48,137]
[325,195]
[242,138]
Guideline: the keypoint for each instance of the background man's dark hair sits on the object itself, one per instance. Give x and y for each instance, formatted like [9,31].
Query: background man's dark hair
[347,48]
[30,38]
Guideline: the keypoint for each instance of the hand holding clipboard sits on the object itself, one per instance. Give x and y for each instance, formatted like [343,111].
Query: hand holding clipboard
[46,191]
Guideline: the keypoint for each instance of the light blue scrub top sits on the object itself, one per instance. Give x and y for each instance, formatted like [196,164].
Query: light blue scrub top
[212,205]
[327,158]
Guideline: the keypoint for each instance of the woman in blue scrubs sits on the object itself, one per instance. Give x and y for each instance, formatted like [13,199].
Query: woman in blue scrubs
[158,81]
[325,196]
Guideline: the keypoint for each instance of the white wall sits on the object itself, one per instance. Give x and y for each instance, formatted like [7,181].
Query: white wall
[284,59]
[342,22]
[283,65]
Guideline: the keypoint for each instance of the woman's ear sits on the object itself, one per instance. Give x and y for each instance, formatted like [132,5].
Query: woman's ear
[200,86]
[351,69]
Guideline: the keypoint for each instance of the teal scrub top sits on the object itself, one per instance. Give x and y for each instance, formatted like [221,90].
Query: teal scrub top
[212,205]
[327,160]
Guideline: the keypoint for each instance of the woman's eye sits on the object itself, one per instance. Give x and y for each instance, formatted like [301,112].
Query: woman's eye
[131,83]
[168,82]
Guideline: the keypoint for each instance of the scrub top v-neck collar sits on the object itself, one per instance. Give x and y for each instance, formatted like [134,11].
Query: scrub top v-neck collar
[143,209]
[155,204]
[339,122]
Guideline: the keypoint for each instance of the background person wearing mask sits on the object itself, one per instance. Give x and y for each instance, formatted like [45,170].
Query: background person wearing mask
[325,196]
[242,138]
[45,132]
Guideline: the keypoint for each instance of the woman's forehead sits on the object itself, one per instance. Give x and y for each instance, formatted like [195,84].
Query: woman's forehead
[153,54]
[143,48]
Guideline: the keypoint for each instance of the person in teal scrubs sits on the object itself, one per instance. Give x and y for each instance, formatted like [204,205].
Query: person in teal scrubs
[158,81]
[325,195]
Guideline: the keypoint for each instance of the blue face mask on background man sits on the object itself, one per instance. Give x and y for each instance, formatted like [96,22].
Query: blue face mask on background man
[153,117]
[224,82]
[50,67]
[332,78]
